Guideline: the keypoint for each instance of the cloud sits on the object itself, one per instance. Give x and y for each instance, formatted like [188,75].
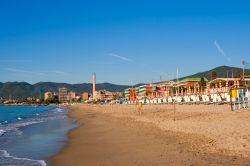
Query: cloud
[24,71]
[221,51]
[120,57]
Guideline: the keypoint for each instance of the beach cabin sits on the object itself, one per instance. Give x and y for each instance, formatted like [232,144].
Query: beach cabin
[223,85]
[144,91]
[194,85]
[166,89]
[130,94]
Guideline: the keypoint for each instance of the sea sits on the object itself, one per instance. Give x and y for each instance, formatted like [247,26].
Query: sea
[29,135]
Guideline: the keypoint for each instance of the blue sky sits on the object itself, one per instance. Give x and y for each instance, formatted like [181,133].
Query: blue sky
[124,42]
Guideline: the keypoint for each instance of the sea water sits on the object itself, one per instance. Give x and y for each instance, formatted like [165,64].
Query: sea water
[29,135]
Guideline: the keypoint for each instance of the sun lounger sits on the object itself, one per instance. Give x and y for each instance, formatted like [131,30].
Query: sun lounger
[159,101]
[155,101]
[170,100]
[179,100]
[187,100]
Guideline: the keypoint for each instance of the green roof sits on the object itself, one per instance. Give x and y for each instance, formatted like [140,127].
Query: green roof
[193,79]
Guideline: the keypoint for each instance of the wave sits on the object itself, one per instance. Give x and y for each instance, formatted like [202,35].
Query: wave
[7,159]
[2,132]
[19,118]
[13,128]
[59,109]
[23,124]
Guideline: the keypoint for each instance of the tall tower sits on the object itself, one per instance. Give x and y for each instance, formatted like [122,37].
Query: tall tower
[94,86]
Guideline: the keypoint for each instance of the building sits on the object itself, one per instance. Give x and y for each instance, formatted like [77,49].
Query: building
[94,86]
[63,95]
[85,96]
[130,93]
[48,95]
[191,85]
[71,96]
[106,95]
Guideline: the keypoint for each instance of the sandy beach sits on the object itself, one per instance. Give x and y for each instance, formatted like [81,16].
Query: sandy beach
[194,135]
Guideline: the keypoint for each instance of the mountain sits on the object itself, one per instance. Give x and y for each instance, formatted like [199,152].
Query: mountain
[24,89]
[221,72]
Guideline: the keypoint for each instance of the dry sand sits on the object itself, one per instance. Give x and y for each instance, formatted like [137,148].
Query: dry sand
[193,135]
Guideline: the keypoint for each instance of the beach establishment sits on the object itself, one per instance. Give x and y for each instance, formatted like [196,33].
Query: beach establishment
[193,90]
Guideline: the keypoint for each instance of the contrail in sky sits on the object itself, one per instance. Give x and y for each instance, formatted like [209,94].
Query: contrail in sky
[120,57]
[221,51]
[56,72]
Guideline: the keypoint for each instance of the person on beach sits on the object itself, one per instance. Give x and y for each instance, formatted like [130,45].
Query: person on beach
[139,106]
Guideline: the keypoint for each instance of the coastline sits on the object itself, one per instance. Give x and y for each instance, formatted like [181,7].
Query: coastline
[32,134]
[117,135]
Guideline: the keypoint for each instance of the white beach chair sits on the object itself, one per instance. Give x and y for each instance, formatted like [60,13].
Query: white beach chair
[228,99]
[155,101]
[179,100]
[187,100]
[170,100]
[165,100]
[214,99]
[193,99]
[223,96]
[159,101]
[197,98]
[151,101]
[205,99]
[219,100]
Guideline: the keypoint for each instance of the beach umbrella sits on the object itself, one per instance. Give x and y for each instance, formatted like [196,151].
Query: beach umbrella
[208,88]
[216,88]
[195,89]
[220,87]
[227,86]
[237,84]
[198,89]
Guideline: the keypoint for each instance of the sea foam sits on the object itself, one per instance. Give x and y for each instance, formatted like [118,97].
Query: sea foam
[2,132]
[7,159]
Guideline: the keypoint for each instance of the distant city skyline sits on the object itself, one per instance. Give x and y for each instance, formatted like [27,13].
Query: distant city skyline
[123,42]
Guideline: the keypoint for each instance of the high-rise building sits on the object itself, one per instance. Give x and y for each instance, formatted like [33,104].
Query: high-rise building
[63,95]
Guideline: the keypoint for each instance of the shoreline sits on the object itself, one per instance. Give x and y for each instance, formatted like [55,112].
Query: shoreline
[32,134]
[149,143]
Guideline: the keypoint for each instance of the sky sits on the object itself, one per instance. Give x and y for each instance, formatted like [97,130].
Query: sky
[123,42]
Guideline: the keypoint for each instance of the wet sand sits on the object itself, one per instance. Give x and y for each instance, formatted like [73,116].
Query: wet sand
[118,135]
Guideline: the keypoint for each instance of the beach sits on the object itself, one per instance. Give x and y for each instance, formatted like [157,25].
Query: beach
[190,135]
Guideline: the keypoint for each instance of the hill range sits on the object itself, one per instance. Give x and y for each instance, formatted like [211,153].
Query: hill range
[24,89]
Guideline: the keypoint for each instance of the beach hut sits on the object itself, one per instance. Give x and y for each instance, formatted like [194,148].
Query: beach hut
[192,85]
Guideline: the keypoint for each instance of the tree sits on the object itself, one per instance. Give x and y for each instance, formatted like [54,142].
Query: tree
[203,82]
[213,75]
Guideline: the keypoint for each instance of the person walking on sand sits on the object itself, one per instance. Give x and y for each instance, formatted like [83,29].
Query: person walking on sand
[139,106]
